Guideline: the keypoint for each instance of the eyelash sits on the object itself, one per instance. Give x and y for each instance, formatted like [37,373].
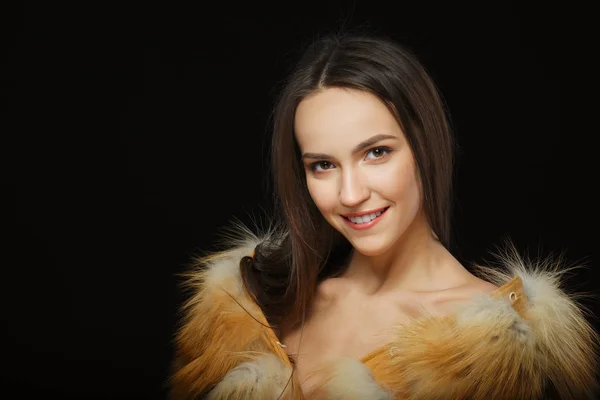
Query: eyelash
[386,150]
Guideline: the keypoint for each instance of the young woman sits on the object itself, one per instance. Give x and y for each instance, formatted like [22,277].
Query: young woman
[355,295]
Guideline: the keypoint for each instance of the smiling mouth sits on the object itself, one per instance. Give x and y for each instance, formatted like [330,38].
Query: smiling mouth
[365,219]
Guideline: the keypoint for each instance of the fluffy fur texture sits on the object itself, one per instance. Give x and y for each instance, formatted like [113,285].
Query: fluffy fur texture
[526,340]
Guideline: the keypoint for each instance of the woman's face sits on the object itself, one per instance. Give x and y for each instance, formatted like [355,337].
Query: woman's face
[360,170]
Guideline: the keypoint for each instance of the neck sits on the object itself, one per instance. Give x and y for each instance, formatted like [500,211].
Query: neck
[417,262]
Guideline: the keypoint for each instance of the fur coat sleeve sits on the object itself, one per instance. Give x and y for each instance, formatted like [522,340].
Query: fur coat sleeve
[528,339]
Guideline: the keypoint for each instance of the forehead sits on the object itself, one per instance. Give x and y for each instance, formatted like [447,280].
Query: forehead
[338,116]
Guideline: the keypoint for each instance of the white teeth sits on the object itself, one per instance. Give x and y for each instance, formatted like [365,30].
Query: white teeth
[369,218]
[365,218]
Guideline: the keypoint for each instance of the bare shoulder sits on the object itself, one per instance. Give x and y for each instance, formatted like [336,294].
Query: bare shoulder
[469,291]
[473,288]
[481,286]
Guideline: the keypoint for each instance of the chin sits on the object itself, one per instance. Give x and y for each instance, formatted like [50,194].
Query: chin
[370,248]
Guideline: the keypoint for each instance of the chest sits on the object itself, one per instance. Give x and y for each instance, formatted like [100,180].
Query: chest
[350,331]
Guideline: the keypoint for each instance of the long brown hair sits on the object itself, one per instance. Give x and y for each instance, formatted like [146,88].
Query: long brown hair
[285,270]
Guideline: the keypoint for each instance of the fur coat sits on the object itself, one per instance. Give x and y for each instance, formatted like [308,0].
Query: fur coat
[528,339]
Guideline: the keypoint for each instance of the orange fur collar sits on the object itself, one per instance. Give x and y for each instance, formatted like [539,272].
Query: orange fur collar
[526,340]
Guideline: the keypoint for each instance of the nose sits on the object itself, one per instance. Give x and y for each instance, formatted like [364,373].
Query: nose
[353,189]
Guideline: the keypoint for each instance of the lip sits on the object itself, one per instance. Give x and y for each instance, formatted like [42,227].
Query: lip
[360,227]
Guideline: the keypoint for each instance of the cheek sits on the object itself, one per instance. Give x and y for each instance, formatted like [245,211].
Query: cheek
[400,183]
[322,193]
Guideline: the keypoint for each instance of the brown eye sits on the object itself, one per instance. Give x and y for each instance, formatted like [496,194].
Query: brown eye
[378,152]
[321,166]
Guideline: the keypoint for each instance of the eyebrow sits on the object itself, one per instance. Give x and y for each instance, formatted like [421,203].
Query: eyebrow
[359,147]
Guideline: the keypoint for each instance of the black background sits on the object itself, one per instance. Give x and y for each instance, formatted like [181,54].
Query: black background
[133,134]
